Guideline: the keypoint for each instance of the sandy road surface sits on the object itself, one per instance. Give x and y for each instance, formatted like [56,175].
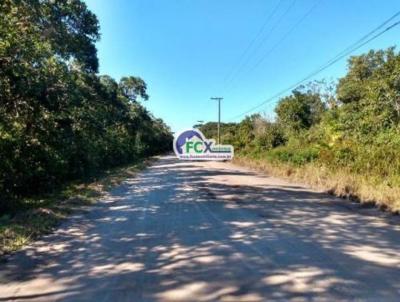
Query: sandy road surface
[184,231]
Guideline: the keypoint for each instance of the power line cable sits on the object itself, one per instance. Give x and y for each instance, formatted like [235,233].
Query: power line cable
[256,37]
[282,39]
[285,35]
[337,58]
[262,42]
[349,48]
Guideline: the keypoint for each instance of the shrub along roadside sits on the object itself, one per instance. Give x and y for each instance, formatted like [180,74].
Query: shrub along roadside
[344,137]
[42,214]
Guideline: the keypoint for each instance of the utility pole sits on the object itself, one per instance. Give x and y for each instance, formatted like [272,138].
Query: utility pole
[219,117]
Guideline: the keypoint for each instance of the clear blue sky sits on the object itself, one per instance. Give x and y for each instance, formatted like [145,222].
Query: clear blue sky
[186,49]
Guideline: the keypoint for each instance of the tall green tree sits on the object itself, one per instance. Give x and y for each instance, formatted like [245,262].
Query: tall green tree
[300,110]
[58,119]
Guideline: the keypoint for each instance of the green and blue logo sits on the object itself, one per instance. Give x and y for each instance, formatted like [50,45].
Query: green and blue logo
[192,145]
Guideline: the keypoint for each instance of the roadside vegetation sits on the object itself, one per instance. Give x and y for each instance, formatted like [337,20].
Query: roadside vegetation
[343,137]
[42,213]
[60,121]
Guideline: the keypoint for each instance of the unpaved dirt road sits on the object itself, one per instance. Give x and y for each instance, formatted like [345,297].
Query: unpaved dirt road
[185,231]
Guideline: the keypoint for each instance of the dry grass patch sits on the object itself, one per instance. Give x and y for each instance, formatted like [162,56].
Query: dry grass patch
[343,183]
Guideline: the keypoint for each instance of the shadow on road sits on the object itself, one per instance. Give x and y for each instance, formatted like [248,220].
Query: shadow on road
[183,232]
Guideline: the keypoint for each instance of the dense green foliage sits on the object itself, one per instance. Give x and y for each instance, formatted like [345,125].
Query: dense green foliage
[354,126]
[59,120]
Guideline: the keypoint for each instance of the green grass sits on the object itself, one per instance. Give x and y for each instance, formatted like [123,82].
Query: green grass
[40,215]
[294,156]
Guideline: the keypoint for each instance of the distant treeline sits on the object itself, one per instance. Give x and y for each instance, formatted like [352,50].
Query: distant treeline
[60,120]
[352,125]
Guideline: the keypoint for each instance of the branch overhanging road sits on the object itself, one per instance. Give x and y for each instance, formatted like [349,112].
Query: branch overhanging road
[206,231]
